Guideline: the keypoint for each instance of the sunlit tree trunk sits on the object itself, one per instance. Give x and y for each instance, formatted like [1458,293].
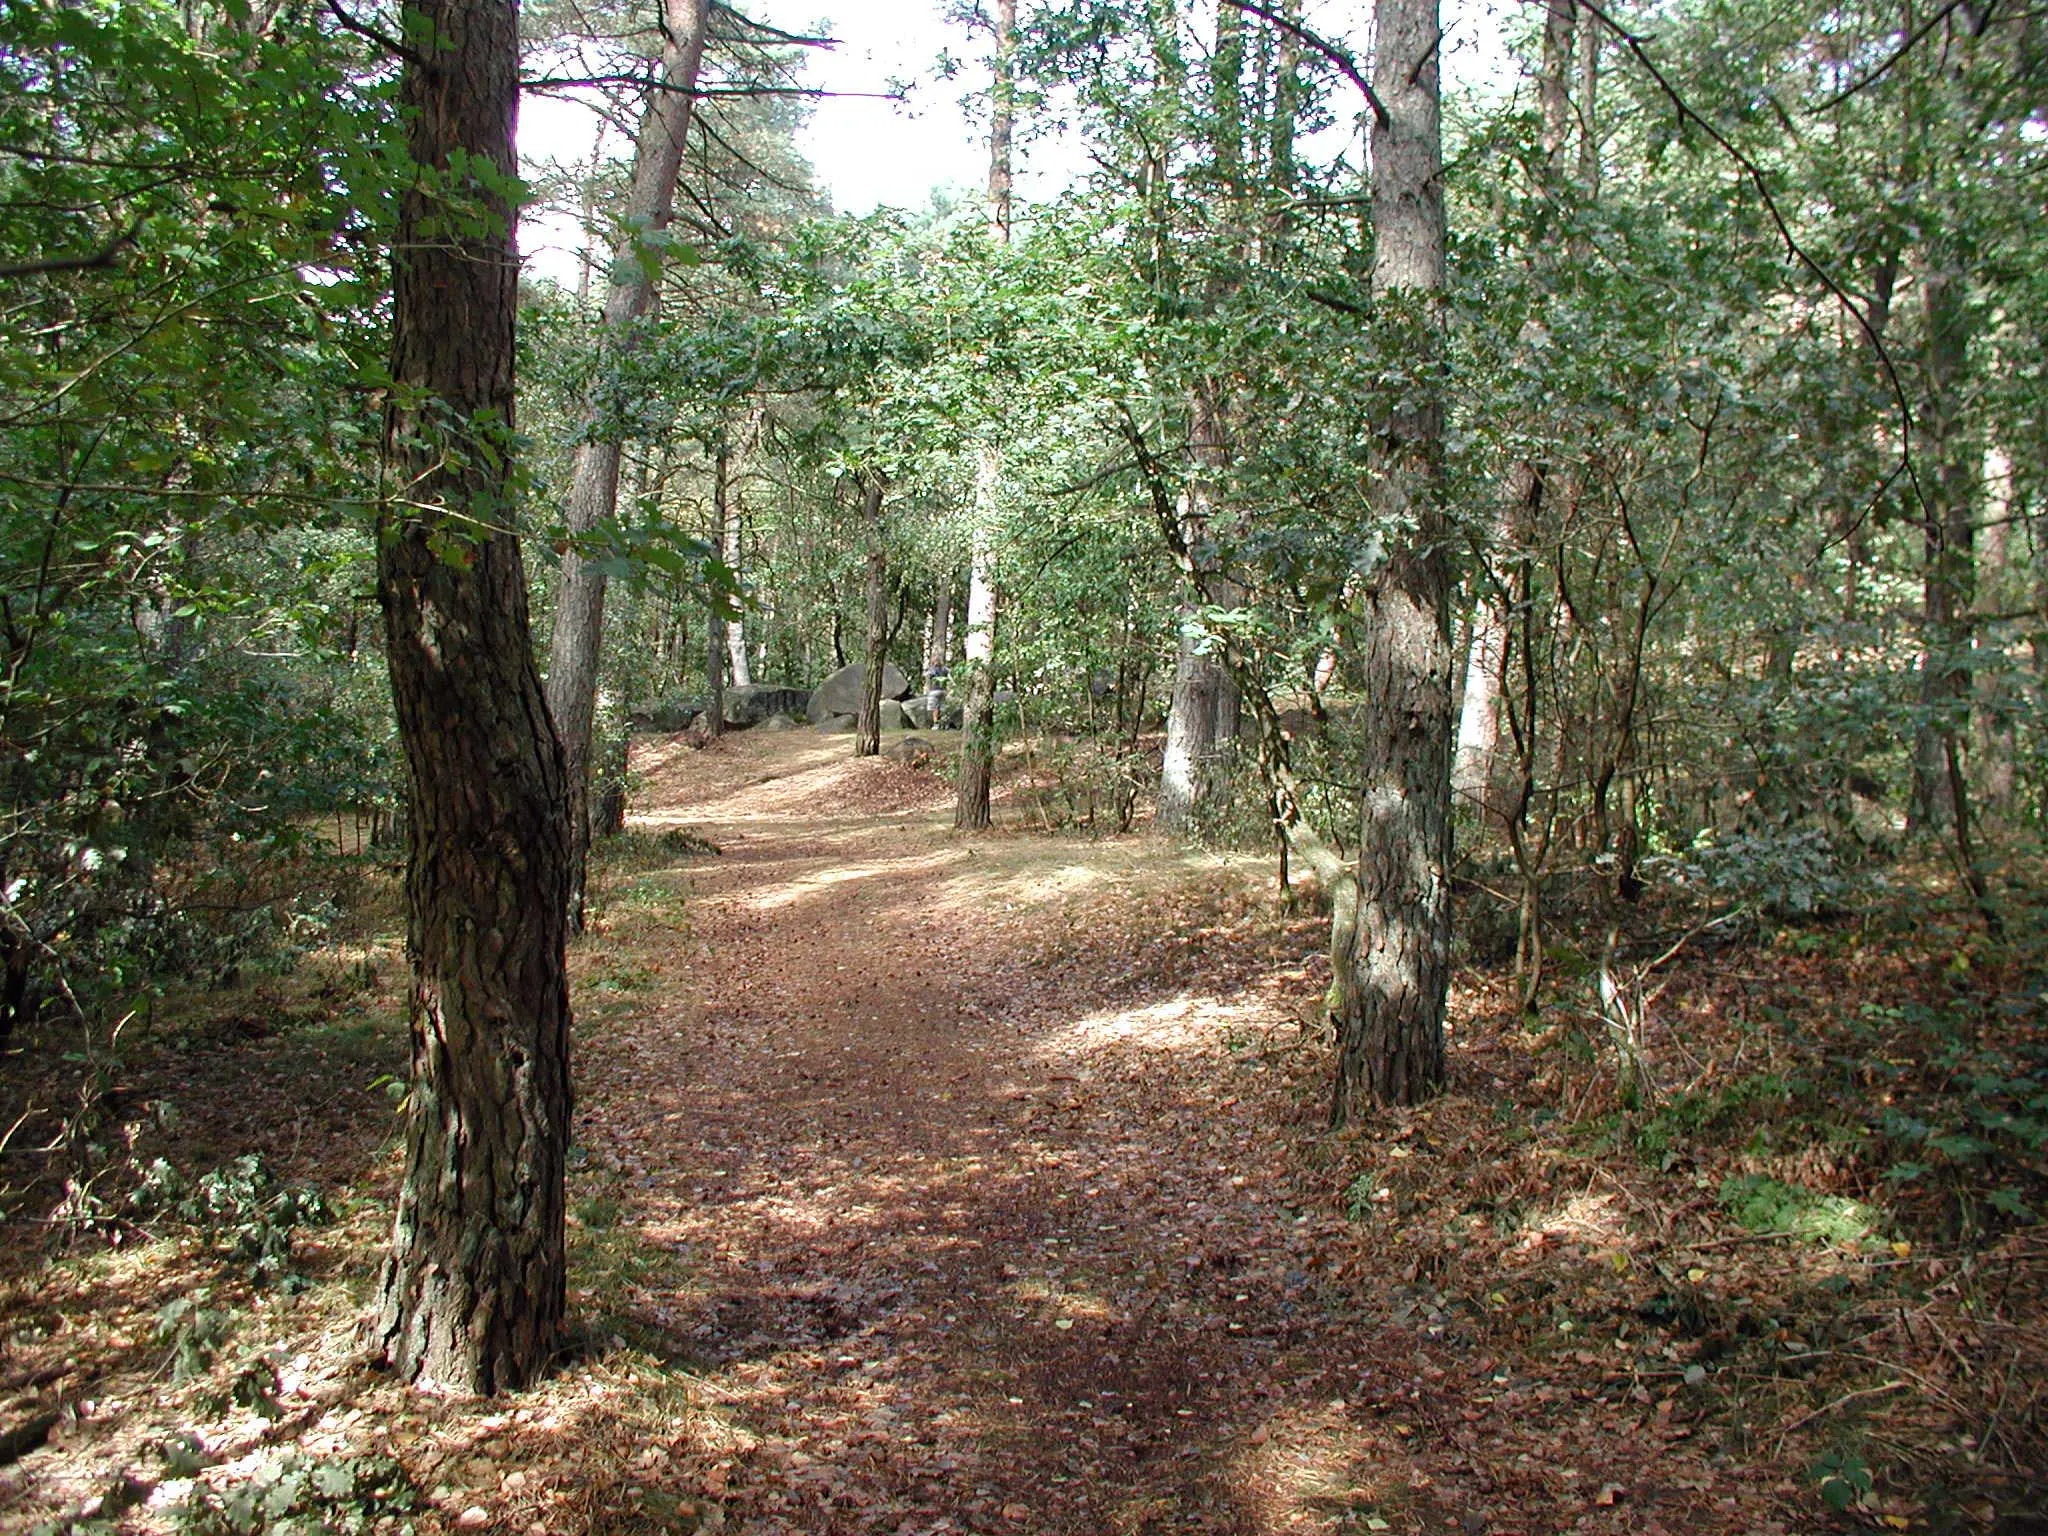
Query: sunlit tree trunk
[1391,971]
[472,1295]
[1201,716]
[735,629]
[715,649]
[938,644]
[594,483]
[867,725]
[977,716]
[977,723]
[1995,743]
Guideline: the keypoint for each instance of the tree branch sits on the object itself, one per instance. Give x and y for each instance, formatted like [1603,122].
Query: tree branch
[99,259]
[1759,180]
[389,44]
[768,33]
[1341,57]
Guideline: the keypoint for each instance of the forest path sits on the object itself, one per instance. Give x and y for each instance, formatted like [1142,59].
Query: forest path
[969,1163]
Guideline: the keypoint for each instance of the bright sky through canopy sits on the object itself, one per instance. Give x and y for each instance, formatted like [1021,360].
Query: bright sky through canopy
[870,149]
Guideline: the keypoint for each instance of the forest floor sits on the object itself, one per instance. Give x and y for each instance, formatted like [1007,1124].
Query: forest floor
[938,1184]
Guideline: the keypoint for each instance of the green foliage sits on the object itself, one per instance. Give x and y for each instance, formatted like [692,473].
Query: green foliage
[1781,872]
[240,1210]
[1842,1479]
[180,538]
[1769,1206]
[305,1495]
[194,1331]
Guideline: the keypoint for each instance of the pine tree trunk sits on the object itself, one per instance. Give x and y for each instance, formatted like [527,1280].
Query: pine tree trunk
[573,653]
[472,1295]
[1392,981]
[867,727]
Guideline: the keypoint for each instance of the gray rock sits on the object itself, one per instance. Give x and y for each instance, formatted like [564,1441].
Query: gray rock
[757,701]
[893,716]
[839,694]
[666,714]
[833,725]
[1002,696]
[917,709]
[911,751]
[778,723]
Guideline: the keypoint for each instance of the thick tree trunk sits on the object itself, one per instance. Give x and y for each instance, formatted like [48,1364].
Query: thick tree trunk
[867,726]
[594,484]
[1190,729]
[471,1297]
[1392,978]
[1201,722]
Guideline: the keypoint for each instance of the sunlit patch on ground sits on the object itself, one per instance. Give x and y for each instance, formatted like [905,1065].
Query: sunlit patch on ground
[1185,1023]
[1315,1469]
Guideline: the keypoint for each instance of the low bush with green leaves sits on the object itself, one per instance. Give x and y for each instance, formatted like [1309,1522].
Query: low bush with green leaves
[301,1495]
[240,1209]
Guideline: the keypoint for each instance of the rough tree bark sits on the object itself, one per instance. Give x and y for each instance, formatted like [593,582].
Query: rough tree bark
[867,726]
[471,1297]
[715,648]
[1390,980]
[594,483]
[977,715]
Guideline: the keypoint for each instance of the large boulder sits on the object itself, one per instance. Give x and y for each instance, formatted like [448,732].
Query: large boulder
[893,716]
[917,709]
[839,694]
[833,725]
[670,712]
[778,723]
[755,702]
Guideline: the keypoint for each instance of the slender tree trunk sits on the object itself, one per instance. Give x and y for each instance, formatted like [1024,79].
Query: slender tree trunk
[731,548]
[977,722]
[594,483]
[1948,577]
[1479,717]
[472,1295]
[977,715]
[1392,973]
[1995,746]
[715,650]
[867,726]
[939,642]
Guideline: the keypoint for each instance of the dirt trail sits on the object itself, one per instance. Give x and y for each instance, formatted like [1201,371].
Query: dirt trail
[983,1205]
